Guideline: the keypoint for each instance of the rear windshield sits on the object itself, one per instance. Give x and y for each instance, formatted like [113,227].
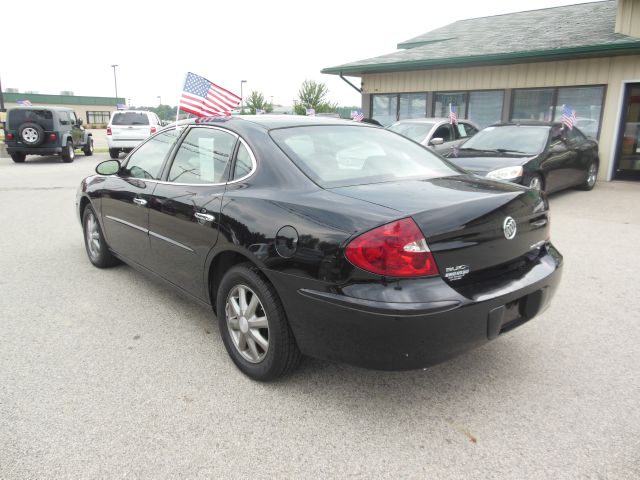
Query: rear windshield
[525,139]
[334,156]
[414,130]
[130,118]
[44,118]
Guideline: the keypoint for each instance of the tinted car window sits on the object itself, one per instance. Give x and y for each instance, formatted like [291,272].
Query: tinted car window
[413,130]
[130,118]
[343,155]
[243,163]
[63,118]
[203,157]
[147,160]
[464,130]
[525,139]
[443,132]
[17,117]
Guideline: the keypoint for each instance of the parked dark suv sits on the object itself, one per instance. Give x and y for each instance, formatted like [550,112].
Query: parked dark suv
[45,131]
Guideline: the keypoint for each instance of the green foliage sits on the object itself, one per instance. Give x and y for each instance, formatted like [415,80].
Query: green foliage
[256,101]
[164,112]
[314,95]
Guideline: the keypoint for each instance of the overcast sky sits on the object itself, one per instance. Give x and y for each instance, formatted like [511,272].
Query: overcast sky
[273,45]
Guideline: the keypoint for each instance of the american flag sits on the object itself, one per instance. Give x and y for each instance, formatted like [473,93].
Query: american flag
[310,111]
[357,115]
[568,117]
[453,115]
[203,98]
[25,103]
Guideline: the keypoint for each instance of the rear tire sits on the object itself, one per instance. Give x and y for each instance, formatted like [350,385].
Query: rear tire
[258,339]
[114,153]
[592,175]
[88,148]
[68,153]
[94,242]
[18,157]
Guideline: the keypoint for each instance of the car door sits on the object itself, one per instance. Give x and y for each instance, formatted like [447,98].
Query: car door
[185,209]
[76,130]
[445,132]
[557,161]
[583,149]
[126,196]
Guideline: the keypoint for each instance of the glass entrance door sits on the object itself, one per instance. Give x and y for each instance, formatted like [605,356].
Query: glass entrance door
[628,157]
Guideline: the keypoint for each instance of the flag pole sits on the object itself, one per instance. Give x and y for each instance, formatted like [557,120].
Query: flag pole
[180,99]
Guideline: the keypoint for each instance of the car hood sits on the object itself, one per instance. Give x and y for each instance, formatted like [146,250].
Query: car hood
[482,164]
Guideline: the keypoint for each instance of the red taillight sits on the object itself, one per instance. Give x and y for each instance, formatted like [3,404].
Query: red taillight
[9,136]
[153,130]
[397,249]
[52,137]
[108,130]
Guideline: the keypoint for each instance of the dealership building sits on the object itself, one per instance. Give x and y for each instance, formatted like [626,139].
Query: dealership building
[92,110]
[517,66]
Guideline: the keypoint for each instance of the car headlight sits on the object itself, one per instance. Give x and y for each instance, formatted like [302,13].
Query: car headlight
[507,173]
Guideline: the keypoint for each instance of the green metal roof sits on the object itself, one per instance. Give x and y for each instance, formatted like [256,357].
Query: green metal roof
[572,31]
[44,99]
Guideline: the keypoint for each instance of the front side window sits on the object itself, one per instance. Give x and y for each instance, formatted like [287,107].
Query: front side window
[147,160]
[63,118]
[203,157]
[416,131]
[72,117]
[334,156]
[444,132]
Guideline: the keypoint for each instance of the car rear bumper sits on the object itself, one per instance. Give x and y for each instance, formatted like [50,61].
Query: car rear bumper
[35,150]
[124,143]
[413,333]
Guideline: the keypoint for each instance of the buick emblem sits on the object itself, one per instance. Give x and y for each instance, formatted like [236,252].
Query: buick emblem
[509,227]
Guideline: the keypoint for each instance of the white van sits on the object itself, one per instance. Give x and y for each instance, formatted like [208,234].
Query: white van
[128,128]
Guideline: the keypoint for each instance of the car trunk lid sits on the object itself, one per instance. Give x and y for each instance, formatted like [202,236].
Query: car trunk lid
[130,126]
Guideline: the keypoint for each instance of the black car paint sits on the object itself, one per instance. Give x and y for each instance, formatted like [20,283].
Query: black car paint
[561,166]
[335,309]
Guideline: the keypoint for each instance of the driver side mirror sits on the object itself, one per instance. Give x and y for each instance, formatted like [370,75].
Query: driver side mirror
[436,141]
[109,167]
[78,121]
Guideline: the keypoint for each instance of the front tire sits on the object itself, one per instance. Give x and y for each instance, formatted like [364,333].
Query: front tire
[88,148]
[18,157]
[114,153]
[94,242]
[254,326]
[68,154]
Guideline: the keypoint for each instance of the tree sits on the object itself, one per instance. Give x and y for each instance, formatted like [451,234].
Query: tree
[314,95]
[256,101]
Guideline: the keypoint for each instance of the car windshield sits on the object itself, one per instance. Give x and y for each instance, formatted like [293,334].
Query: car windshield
[17,117]
[525,139]
[413,130]
[334,156]
[130,118]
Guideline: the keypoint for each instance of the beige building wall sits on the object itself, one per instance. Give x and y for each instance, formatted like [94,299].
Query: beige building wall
[610,71]
[628,17]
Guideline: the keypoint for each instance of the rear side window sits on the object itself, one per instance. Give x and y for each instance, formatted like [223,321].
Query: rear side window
[243,163]
[130,118]
[44,118]
[203,157]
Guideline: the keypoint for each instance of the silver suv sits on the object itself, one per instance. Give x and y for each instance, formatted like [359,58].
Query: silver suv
[128,128]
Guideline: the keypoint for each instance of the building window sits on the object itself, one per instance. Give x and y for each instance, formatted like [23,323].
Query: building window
[485,108]
[413,105]
[385,109]
[534,104]
[587,102]
[441,102]
[98,118]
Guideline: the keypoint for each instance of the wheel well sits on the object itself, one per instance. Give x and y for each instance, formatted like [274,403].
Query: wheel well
[220,265]
[84,201]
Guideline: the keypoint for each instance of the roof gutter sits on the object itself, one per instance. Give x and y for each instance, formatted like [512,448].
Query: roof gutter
[359,90]
[491,59]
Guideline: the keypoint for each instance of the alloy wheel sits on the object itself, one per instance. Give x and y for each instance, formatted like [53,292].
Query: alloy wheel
[592,175]
[30,135]
[93,236]
[247,323]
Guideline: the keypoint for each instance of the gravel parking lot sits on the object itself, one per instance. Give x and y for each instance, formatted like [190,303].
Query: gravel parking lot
[107,374]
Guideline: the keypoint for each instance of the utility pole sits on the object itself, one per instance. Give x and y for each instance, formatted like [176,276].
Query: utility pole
[1,98]
[115,81]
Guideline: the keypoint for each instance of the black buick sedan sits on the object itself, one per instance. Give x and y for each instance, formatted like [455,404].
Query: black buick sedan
[541,155]
[325,238]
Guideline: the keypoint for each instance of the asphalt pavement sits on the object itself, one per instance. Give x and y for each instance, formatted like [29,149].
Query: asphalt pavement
[107,374]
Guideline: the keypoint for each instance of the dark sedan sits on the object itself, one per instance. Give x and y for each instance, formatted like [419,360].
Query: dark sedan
[324,237]
[540,155]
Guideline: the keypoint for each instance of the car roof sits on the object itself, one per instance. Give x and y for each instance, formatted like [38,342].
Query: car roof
[272,121]
[41,107]
[431,120]
[527,123]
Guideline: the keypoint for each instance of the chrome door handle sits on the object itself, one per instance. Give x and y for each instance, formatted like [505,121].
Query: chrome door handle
[205,217]
[140,201]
